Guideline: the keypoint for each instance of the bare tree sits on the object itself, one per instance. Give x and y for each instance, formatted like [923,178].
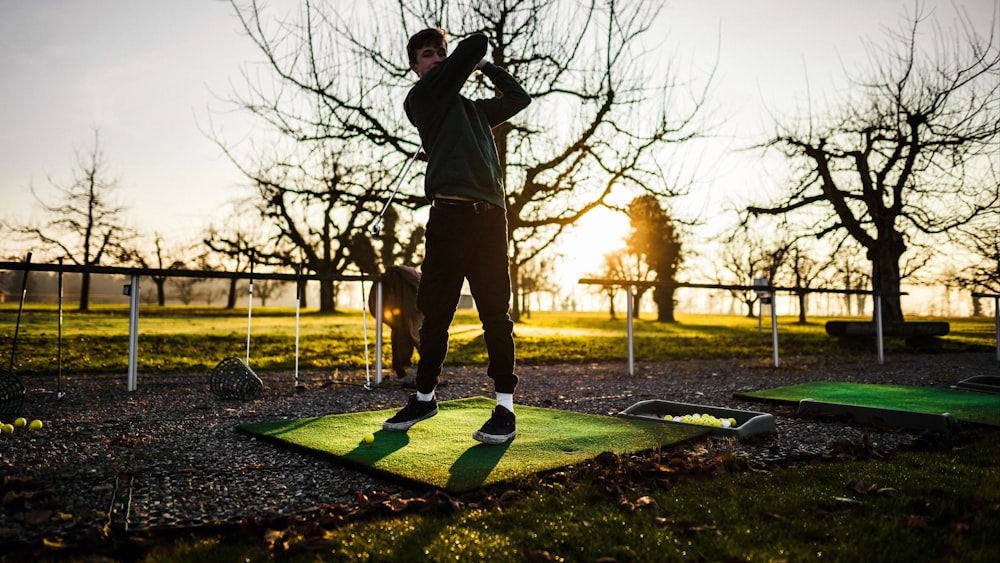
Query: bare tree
[535,278]
[599,116]
[86,224]
[983,243]
[748,254]
[230,249]
[613,266]
[850,271]
[269,289]
[159,259]
[907,155]
[805,269]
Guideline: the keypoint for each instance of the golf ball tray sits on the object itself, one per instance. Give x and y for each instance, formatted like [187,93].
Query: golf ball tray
[742,424]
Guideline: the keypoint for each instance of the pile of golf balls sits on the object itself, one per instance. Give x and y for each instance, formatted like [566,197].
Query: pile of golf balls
[704,420]
[19,422]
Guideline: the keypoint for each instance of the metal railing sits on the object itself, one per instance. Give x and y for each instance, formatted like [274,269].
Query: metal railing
[132,291]
[763,290]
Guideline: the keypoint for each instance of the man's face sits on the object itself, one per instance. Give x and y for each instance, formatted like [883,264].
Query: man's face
[428,57]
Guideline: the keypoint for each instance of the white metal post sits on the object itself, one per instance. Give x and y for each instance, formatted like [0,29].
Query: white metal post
[996,321]
[133,331]
[774,329]
[631,330]
[378,332]
[878,329]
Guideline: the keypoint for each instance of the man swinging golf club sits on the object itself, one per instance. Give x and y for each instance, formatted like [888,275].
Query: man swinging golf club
[466,235]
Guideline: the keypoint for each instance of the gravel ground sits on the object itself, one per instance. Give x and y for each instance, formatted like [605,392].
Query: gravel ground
[167,456]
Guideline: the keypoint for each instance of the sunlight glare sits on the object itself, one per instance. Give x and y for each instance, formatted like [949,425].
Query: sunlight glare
[598,233]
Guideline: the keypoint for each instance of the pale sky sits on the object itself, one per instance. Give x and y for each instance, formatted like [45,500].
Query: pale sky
[148,75]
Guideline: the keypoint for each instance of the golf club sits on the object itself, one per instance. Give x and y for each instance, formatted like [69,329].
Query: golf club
[59,393]
[377,226]
[12,391]
[298,299]
[249,309]
[364,321]
[20,308]
[232,378]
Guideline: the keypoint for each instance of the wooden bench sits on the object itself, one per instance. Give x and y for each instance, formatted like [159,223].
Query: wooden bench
[917,333]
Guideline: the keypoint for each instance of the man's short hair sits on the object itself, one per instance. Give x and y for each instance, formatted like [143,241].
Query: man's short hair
[430,36]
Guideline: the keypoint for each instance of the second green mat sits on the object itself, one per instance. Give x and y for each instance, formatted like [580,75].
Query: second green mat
[966,406]
[440,452]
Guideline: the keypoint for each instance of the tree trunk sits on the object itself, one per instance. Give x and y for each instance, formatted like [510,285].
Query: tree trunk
[231,298]
[327,296]
[664,297]
[885,257]
[161,296]
[85,292]
[802,307]
[636,299]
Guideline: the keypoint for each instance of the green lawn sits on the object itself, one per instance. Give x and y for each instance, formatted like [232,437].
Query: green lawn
[936,505]
[941,504]
[196,338]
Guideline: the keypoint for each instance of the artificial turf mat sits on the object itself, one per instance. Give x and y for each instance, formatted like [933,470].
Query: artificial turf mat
[440,452]
[978,408]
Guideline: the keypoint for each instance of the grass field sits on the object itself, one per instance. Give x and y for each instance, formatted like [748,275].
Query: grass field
[196,338]
[941,504]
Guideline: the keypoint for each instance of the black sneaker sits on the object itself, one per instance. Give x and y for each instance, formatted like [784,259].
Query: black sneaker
[498,429]
[412,413]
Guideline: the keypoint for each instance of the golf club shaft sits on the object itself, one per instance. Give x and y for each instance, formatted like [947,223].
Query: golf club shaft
[59,354]
[17,326]
[249,308]
[377,226]
[298,298]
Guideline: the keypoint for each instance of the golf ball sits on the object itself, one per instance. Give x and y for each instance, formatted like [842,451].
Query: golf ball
[369,439]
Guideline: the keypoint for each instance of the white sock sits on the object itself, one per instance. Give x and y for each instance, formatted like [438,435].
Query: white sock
[506,400]
[425,396]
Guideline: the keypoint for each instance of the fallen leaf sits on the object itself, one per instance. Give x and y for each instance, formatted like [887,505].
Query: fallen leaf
[645,501]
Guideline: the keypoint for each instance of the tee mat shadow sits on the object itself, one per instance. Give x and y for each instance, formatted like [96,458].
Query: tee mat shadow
[440,453]
[895,405]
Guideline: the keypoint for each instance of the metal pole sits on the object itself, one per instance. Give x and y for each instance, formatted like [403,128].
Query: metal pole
[133,331]
[378,332]
[249,308]
[298,301]
[774,330]
[996,320]
[59,393]
[878,329]
[20,309]
[631,330]
[364,331]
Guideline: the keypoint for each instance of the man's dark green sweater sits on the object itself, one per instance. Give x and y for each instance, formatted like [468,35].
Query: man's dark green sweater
[456,132]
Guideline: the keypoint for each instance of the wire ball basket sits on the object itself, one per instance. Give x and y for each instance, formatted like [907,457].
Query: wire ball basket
[11,395]
[233,379]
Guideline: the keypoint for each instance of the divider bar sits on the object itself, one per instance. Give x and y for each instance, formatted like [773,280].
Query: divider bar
[631,331]
[133,332]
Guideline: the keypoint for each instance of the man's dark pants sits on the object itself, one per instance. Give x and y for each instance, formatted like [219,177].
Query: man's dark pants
[465,241]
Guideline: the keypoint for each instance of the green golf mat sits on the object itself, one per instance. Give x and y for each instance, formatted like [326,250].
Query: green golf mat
[440,452]
[979,408]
